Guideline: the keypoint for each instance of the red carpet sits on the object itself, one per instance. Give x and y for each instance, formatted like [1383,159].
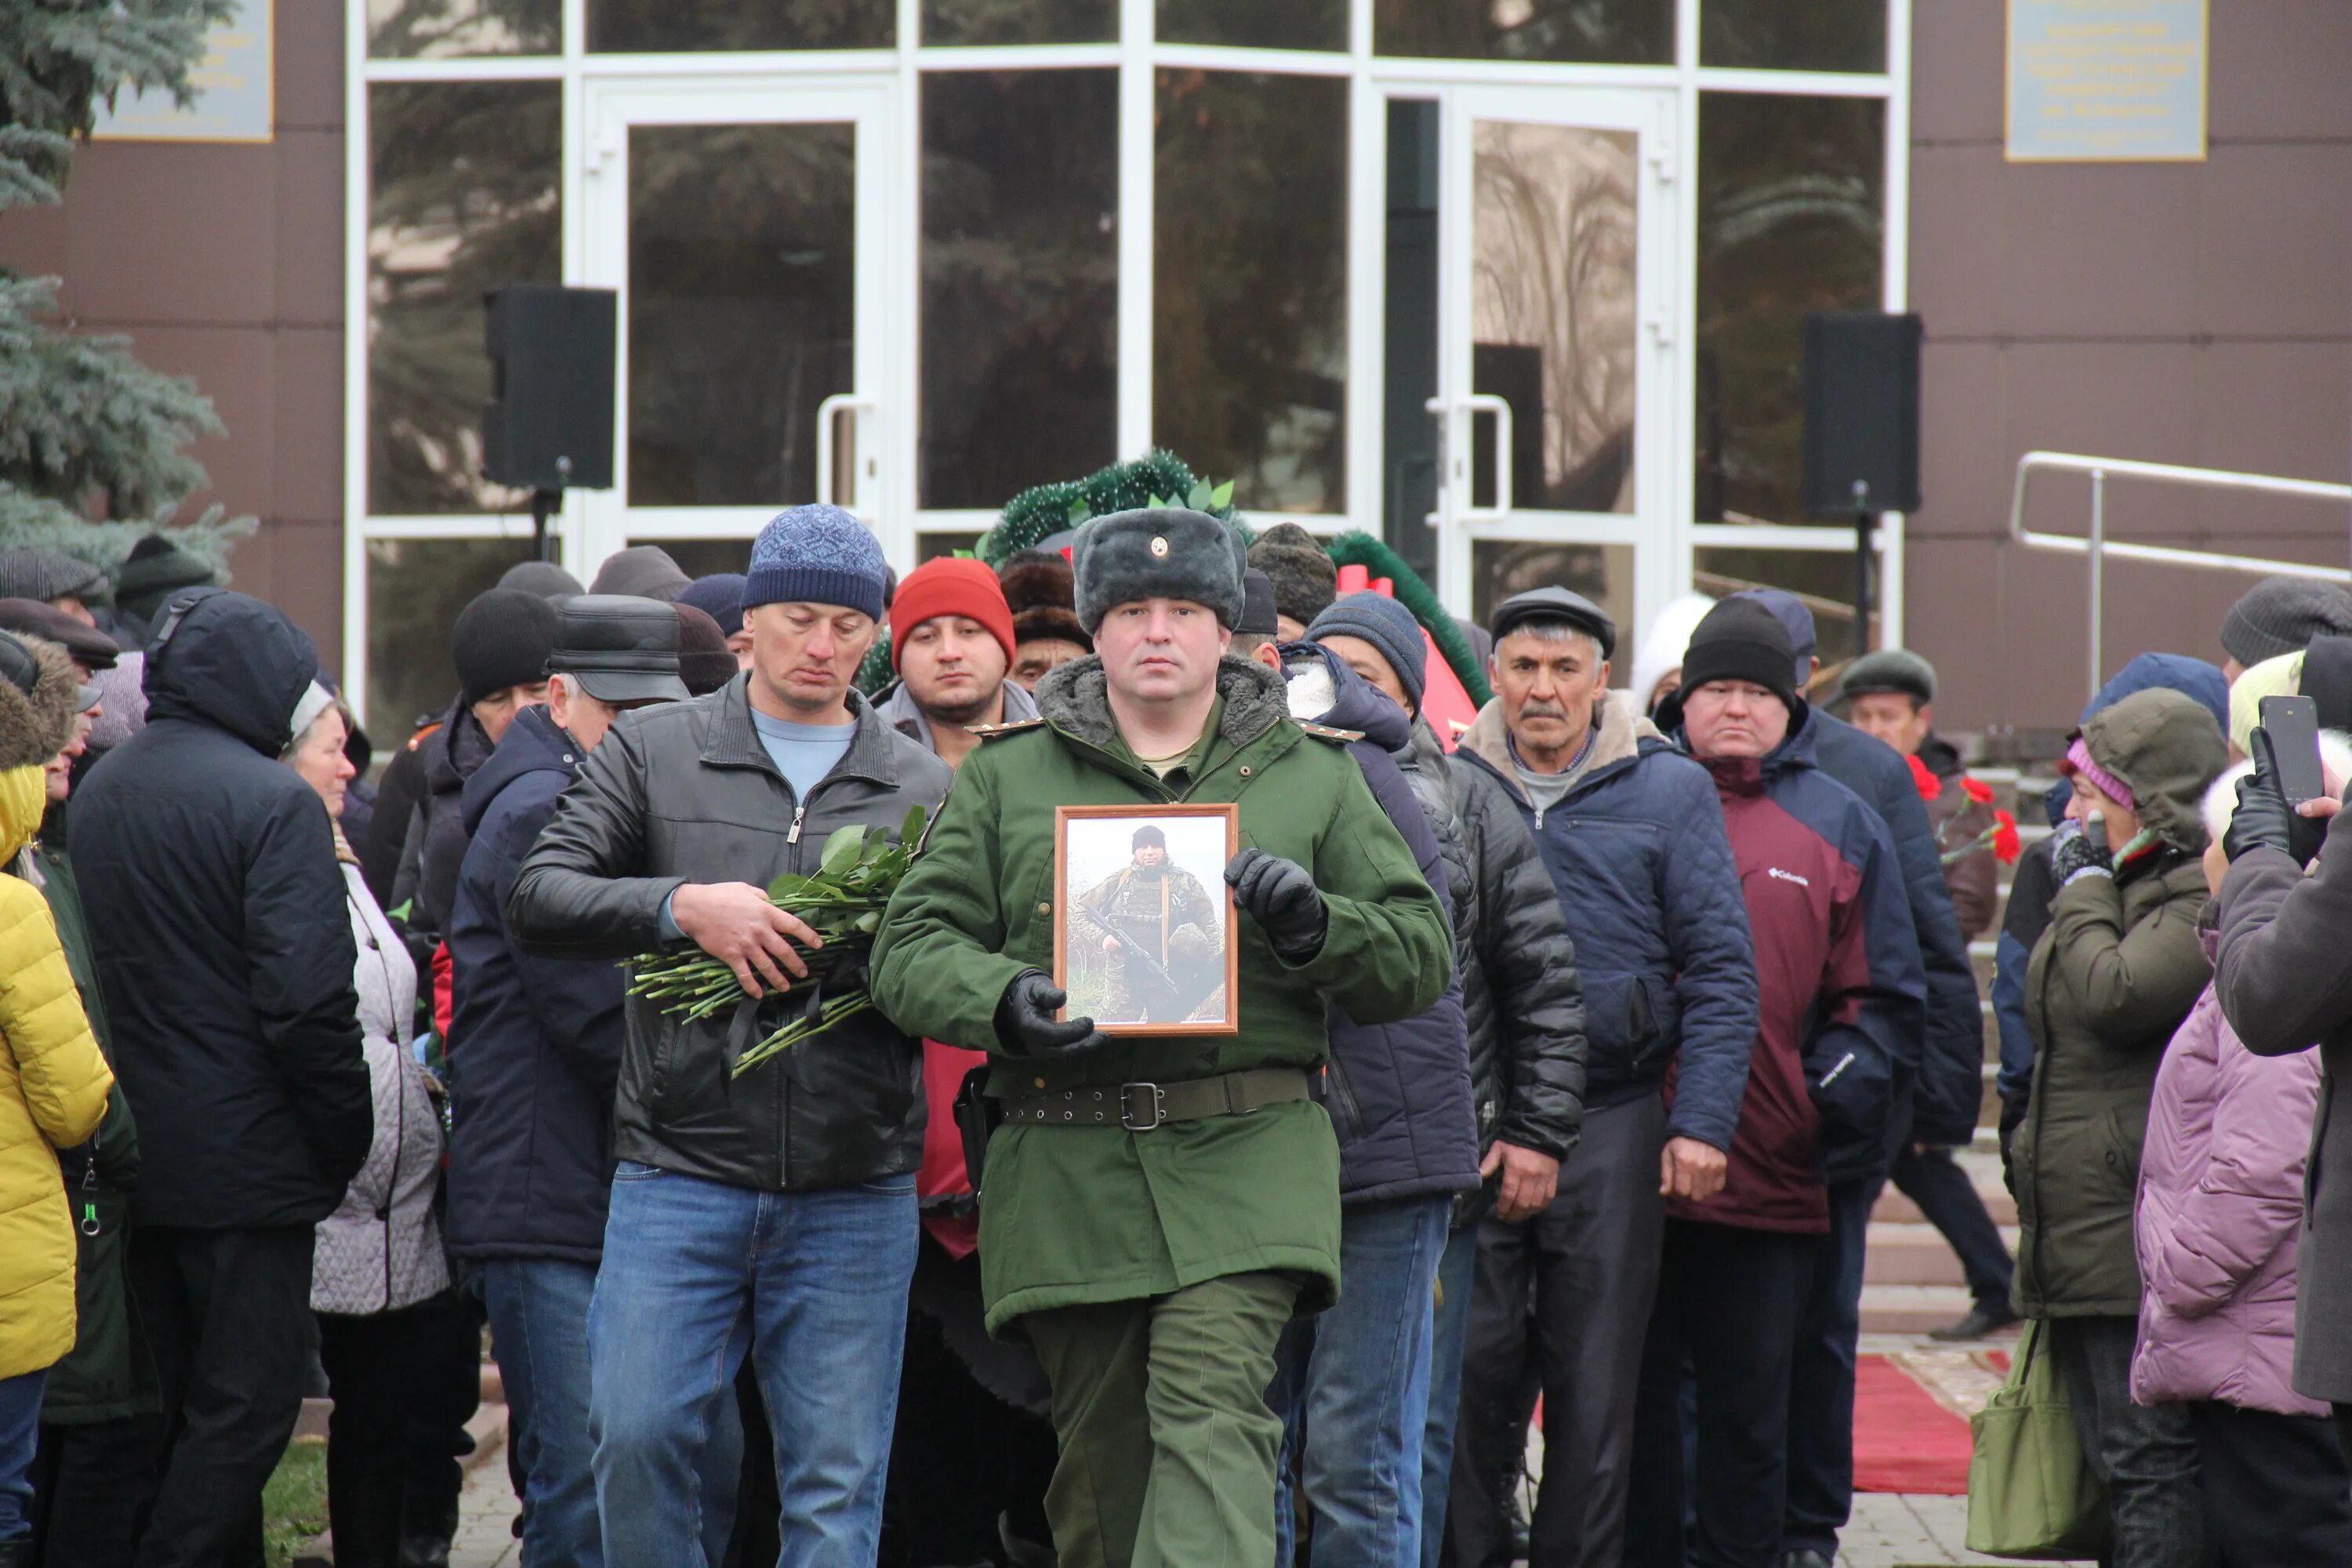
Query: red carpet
[1903,1441]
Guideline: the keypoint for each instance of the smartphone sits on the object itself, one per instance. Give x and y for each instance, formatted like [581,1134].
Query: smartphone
[2291,725]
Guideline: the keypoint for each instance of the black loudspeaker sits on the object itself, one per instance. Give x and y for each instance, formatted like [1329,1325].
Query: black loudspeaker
[1862,412]
[548,423]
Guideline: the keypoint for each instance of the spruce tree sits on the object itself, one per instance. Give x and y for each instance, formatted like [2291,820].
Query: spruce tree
[92,442]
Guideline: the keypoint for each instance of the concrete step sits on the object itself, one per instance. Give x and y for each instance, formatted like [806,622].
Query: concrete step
[1916,1255]
[1912,1309]
[1894,1208]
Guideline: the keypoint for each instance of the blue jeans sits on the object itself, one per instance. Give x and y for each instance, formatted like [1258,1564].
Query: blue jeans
[539,1332]
[1353,1387]
[812,1286]
[20,1435]
[1457,1274]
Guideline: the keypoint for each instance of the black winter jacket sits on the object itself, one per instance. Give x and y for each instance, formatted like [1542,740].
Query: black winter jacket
[1522,991]
[1939,1081]
[685,793]
[1399,1093]
[534,1043]
[216,914]
[434,844]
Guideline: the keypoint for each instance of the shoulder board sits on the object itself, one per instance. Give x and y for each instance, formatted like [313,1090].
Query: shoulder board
[1327,732]
[990,731]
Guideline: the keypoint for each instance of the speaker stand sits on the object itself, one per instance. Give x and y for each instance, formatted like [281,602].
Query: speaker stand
[543,507]
[1863,522]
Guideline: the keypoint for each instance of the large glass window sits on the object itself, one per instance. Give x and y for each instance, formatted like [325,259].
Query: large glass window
[1552,252]
[1602,573]
[1790,204]
[415,589]
[1256,23]
[666,27]
[1020,259]
[1249,287]
[438,30]
[1020,21]
[1776,35]
[743,276]
[1616,32]
[462,197]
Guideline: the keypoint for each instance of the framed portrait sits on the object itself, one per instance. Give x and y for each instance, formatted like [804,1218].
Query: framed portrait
[1143,919]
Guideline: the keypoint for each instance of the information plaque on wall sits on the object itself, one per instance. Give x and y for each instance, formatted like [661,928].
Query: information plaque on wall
[2097,81]
[231,85]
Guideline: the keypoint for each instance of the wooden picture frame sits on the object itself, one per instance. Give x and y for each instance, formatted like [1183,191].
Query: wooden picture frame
[1182,987]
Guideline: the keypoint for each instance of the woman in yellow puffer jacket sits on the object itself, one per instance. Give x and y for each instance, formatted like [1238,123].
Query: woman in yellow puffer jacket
[53,1081]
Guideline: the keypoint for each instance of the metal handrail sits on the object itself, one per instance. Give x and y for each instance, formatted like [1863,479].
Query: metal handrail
[2097,547]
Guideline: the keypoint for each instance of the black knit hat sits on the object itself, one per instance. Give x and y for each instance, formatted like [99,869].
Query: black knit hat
[1258,605]
[1377,619]
[2283,614]
[1305,578]
[1150,836]
[1740,640]
[1157,553]
[501,640]
[154,568]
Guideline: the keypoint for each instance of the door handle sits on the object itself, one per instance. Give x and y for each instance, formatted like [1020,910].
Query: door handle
[827,412]
[1489,402]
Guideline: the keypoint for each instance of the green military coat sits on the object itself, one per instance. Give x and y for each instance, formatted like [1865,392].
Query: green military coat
[1078,1215]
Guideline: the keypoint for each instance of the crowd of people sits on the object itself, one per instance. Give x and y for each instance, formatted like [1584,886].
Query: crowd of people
[1566,1053]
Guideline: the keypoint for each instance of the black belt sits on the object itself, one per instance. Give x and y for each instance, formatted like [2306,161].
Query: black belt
[1140,1107]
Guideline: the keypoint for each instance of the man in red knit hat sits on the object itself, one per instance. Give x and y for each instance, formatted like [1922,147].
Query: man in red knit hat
[951,643]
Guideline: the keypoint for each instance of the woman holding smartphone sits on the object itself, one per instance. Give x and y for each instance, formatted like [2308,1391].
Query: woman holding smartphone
[2109,982]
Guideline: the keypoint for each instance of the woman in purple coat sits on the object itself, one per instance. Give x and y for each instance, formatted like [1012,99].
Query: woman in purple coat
[2220,1207]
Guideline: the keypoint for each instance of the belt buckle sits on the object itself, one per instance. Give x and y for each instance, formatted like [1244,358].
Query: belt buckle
[1158,1105]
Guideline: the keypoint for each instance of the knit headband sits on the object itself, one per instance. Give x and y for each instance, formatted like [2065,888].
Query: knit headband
[2078,758]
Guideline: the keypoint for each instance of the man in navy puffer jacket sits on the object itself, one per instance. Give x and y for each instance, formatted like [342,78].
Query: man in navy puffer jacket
[535,1052]
[1353,1383]
[1632,835]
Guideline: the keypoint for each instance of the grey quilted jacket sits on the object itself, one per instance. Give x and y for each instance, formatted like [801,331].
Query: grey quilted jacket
[382,1247]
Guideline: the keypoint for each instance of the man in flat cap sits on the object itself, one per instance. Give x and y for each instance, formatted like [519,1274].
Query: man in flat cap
[1633,837]
[1155,1208]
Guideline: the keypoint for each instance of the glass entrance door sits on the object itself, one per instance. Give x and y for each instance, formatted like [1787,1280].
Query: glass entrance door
[743,227]
[1555,365]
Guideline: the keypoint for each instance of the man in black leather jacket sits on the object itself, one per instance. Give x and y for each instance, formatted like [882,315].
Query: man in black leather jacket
[774,1213]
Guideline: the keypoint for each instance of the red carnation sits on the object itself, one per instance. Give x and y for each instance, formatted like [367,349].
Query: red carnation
[1930,785]
[2006,845]
[1979,791]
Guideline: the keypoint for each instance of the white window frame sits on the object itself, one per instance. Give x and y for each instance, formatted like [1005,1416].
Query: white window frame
[1666,560]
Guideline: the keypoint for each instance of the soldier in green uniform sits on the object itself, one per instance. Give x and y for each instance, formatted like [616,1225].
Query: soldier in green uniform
[1161,912]
[1155,1208]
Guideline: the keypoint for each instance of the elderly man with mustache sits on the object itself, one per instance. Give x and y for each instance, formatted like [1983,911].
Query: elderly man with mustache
[1632,833]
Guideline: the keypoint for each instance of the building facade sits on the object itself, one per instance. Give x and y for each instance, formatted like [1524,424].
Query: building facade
[1516,283]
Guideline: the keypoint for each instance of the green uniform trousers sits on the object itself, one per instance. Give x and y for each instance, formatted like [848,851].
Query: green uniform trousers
[1167,1446]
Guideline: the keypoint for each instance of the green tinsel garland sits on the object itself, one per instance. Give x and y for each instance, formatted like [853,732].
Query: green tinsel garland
[1157,475]
[1379,560]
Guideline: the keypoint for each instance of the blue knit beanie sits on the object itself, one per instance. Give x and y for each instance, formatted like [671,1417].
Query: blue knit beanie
[817,555]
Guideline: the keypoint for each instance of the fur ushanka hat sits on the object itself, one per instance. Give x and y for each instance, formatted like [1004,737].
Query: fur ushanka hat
[1039,587]
[1158,553]
[39,696]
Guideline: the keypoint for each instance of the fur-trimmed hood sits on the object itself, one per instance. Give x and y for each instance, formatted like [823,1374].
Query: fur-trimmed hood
[34,729]
[1075,698]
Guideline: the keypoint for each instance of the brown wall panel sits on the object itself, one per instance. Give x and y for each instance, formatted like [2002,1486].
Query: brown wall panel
[225,263]
[2195,313]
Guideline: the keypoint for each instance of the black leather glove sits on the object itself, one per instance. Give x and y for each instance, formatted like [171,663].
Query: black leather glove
[1281,897]
[1025,1025]
[2076,852]
[2265,818]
